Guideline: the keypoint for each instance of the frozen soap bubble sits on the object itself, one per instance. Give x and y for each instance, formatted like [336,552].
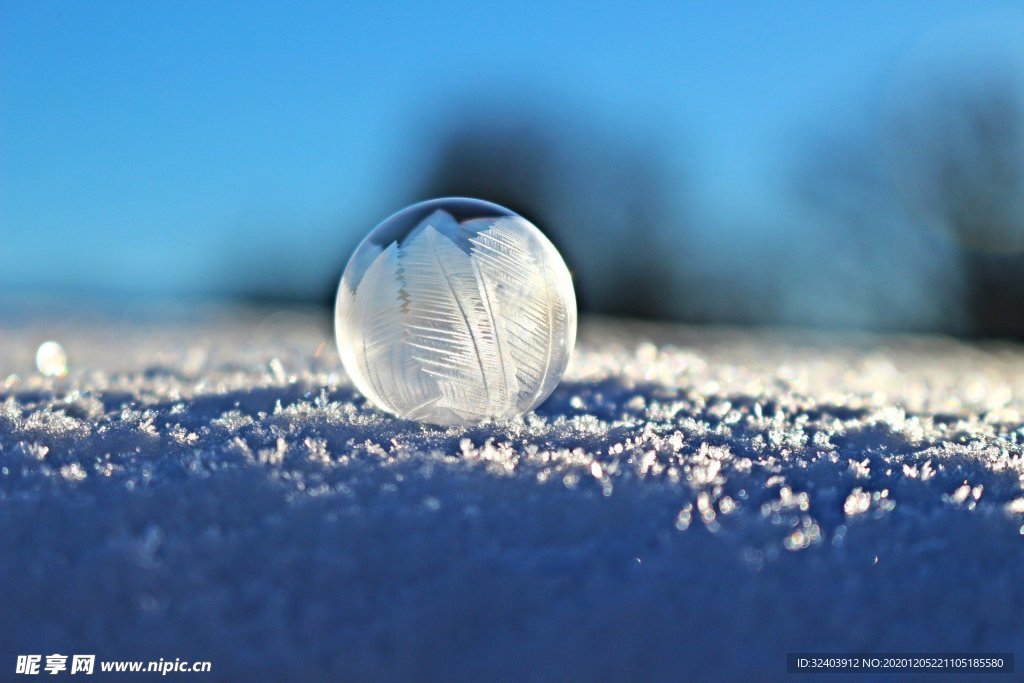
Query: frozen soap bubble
[51,360]
[454,311]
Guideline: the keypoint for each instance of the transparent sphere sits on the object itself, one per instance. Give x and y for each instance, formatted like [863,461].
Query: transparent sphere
[454,311]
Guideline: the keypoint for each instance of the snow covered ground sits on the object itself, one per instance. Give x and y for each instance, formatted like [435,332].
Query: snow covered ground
[689,505]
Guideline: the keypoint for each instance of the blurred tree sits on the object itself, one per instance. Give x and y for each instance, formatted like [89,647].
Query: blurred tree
[920,220]
[859,259]
[604,199]
[957,157]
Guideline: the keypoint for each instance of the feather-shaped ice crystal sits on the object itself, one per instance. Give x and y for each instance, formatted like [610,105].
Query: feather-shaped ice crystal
[455,311]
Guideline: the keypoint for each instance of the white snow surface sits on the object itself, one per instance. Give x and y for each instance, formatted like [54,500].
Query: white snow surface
[689,504]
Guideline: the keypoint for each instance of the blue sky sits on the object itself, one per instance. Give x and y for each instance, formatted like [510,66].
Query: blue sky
[140,142]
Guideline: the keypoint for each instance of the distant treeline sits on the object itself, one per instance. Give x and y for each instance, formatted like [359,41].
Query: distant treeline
[913,221]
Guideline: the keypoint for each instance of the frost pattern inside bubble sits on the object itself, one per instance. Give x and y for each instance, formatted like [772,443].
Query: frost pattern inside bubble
[454,311]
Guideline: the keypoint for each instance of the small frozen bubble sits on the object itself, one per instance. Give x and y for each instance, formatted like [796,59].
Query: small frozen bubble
[455,311]
[51,360]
